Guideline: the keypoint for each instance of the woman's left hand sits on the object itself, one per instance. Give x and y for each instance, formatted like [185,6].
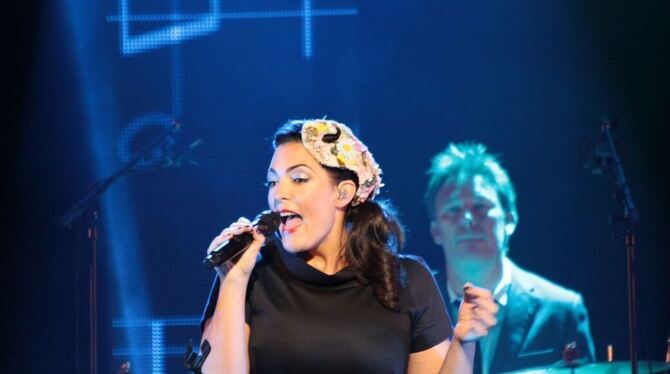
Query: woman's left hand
[476,315]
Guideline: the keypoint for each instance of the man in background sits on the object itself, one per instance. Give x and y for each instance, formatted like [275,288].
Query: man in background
[472,207]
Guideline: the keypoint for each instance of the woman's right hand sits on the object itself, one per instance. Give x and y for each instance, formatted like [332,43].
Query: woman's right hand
[238,268]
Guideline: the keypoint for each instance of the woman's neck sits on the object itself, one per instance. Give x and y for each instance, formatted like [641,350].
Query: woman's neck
[328,257]
[324,263]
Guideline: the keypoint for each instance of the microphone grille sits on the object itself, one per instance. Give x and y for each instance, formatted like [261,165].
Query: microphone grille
[268,222]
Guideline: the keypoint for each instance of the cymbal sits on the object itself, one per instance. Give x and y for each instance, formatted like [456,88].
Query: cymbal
[615,367]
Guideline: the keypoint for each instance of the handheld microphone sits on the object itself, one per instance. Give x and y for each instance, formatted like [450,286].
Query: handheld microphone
[267,223]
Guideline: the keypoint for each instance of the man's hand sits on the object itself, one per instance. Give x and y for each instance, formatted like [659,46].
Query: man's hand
[476,315]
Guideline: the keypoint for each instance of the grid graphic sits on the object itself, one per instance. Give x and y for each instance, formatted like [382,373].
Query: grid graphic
[187,26]
[157,328]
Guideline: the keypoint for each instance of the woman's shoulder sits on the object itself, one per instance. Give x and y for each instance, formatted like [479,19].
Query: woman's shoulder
[413,262]
[424,300]
[415,269]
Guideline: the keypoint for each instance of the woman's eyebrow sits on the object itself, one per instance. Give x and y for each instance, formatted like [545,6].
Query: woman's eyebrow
[290,168]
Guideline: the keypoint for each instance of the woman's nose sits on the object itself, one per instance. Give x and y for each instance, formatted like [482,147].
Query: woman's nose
[281,192]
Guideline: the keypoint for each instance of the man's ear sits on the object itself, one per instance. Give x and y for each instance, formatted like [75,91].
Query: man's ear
[345,193]
[510,224]
[435,233]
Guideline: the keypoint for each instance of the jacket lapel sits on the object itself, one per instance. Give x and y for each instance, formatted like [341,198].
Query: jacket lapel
[519,313]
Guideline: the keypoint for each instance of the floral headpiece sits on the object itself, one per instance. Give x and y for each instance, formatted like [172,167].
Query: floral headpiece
[333,144]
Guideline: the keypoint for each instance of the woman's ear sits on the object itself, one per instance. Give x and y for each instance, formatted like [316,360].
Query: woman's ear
[345,193]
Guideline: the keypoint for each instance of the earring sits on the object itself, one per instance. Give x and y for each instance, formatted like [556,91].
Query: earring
[343,195]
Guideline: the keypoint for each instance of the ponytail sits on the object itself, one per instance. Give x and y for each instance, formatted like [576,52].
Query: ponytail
[375,236]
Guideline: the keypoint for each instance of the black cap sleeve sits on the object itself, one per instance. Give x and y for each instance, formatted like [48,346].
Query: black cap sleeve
[430,323]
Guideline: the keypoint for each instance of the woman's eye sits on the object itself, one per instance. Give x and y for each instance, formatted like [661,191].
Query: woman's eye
[270,184]
[299,180]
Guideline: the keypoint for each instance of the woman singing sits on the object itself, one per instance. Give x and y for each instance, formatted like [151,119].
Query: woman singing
[330,294]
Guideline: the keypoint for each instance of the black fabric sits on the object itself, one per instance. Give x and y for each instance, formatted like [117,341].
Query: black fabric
[305,321]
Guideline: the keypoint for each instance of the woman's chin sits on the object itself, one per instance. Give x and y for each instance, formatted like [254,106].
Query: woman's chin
[291,246]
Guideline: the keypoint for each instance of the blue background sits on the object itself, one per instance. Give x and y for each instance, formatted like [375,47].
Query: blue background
[531,80]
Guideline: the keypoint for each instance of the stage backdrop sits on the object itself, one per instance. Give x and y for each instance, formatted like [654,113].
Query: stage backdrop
[208,82]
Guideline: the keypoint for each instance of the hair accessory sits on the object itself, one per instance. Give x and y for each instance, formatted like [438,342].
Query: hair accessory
[333,144]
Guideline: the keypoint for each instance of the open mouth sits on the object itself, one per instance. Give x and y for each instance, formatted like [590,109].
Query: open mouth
[290,221]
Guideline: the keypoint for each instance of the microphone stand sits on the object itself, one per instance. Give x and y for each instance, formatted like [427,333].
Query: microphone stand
[630,220]
[88,207]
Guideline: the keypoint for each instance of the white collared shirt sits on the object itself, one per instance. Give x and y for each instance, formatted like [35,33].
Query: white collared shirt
[488,344]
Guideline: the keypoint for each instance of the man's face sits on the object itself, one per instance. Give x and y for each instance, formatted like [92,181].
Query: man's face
[470,222]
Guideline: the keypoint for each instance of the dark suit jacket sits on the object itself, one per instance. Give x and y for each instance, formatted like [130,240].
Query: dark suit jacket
[540,319]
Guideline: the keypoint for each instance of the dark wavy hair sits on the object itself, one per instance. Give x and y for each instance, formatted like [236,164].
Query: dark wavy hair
[375,232]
